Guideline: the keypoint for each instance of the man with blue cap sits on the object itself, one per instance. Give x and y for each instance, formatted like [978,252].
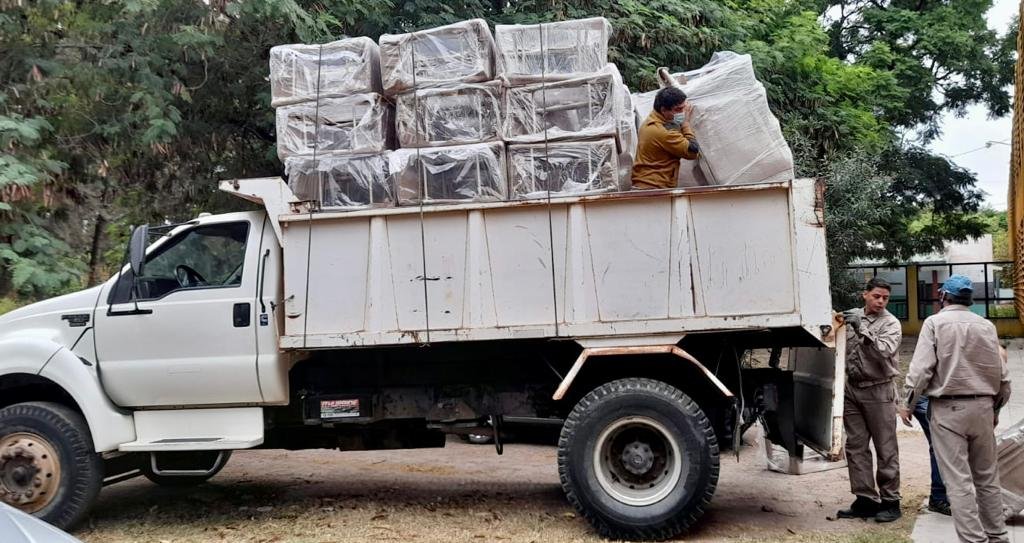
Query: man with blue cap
[958,364]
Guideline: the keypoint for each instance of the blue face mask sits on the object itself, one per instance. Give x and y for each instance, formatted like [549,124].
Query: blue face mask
[679,118]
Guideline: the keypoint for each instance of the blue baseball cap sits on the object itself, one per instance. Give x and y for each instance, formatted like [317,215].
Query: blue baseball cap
[958,285]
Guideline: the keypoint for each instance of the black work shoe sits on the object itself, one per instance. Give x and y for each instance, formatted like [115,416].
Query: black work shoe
[888,511]
[860,508]
[939,507]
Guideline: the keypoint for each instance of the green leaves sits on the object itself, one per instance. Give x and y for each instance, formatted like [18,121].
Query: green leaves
[118,113]
[17,130]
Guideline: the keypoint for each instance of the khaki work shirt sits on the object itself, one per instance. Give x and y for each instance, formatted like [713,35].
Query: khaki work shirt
[872,354]
[957,354]
[659,148]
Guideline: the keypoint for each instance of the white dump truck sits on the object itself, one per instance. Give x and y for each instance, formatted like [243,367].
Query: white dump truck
[622,317]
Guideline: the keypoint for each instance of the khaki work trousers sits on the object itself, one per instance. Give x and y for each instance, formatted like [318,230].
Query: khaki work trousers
[963,436]
[869,416]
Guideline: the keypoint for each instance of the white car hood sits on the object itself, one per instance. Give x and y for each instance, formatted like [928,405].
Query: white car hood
[19,527]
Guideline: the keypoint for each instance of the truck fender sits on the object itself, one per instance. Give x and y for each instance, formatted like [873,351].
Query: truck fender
[25,355]
[109,425]
[642,349]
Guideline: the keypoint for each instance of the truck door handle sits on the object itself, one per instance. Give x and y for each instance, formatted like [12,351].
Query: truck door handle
[240,315]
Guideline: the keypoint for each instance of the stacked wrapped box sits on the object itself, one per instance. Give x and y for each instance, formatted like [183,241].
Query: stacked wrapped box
[586,107]
[563,109]
[342,181]
[456,53]
[332,125]
[740,140]
[450,174]
[563,168]
[352,124]
[552,51]
[301,72]
[458,114]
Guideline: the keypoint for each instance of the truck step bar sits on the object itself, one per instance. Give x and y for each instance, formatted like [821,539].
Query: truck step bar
[197,429]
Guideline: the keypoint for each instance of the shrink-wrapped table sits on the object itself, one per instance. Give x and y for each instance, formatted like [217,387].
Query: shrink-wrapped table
[457,173]
[343,67]
[740,139]
[563,168]
[457,53]
[584,107]
[459,114]
[550,51]
[342,181]
[353,124]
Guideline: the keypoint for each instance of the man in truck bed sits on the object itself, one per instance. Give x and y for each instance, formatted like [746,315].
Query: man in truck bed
[664,138]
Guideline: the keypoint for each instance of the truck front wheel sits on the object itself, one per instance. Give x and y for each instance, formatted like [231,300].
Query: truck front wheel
[638,459]
[48,466]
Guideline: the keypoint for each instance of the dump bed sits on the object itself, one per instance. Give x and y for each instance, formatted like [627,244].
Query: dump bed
[639,263]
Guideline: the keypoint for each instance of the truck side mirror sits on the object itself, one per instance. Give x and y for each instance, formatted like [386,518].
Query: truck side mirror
[137,249]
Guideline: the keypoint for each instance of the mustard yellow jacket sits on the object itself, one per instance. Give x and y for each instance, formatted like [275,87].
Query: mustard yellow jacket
[658,152]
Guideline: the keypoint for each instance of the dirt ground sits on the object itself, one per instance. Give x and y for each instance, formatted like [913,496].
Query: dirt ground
[466,493]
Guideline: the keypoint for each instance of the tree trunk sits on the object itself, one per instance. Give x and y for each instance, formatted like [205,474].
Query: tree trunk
[95,260]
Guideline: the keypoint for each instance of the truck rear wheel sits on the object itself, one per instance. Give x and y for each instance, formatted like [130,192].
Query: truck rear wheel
[48,466]
[638,459]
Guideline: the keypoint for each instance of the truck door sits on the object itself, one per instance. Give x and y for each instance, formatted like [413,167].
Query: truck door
[184,334]
[819,375]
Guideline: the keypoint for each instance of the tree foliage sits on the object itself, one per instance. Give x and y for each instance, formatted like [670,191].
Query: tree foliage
[117,113]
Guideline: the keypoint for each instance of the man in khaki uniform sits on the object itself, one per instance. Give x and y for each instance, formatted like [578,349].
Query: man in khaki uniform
[873,338]
[957,363]
[664,138]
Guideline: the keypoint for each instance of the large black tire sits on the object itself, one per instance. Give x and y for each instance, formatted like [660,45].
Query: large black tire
[59,491]
[638,459]
[182,481]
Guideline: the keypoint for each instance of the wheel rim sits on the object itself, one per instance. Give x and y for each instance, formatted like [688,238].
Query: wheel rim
[29,471]
[637,461]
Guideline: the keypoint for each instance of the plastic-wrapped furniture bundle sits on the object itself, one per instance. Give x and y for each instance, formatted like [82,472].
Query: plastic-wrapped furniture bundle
[344,67]
[740,140]
[450,174]
[551,51]
[353,124]
[341,181]
[584,107]
[457,53]
[564,168]
[459,114]
[627,135]
[1010,458]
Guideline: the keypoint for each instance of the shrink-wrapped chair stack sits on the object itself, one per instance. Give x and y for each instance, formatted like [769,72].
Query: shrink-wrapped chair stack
[454,114]
[334,128]
[448,114]
[564,117]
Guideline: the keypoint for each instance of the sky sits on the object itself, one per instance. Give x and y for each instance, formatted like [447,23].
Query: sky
[967,140]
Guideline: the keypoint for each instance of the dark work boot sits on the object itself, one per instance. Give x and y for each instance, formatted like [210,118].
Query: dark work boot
[860,508]
[888,511]
[940,507]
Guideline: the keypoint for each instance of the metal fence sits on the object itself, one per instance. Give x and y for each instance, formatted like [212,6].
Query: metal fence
[993,287]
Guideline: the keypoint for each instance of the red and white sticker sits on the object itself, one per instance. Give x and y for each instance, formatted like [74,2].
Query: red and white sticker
[339,409]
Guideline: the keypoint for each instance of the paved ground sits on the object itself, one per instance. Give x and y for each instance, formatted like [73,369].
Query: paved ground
[935,528]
